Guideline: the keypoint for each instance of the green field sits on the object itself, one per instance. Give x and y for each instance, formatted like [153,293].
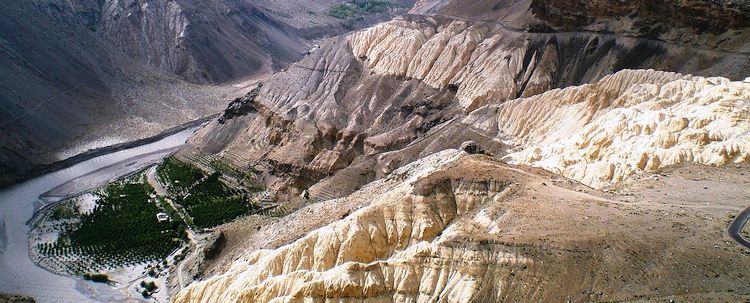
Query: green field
[205,198]
[122,230]
[179,177]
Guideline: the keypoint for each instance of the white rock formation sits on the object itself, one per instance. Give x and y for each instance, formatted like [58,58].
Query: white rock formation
[485,66]
[450,227]
[393,250]
[629,122]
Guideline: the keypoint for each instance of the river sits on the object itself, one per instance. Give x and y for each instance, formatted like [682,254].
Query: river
[18,203]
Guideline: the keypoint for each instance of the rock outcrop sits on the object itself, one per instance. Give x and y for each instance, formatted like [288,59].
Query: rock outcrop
[240,106]
[487,62]
[395,249]
[626,123]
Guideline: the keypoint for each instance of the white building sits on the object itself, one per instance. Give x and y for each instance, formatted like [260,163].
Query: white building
[162,217]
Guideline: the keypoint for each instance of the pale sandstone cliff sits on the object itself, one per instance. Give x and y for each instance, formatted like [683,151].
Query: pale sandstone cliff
[482,66]
[630,122]
[457,228]
[487,62]
[454,227]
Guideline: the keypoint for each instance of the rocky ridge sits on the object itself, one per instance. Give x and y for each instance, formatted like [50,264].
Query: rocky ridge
[395,92]
[465,228]
[363,129]
[627,123]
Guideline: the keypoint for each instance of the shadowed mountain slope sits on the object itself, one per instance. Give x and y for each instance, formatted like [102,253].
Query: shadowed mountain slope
[82,74]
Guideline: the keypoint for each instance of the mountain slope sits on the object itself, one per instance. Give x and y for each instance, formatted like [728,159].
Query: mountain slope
[384,95]
[356,142]
[83,74]
[626,123]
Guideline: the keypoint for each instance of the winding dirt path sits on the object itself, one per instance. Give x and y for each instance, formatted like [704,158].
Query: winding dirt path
[161,191]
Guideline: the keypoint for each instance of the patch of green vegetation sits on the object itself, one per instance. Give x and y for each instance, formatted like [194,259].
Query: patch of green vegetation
[149,286]
[65,211]
[205,198]
[210,202]
[356,7]
[96,277]
[178,176]
[122,230]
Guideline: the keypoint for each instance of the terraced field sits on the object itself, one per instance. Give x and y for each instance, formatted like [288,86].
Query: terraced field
[207,200]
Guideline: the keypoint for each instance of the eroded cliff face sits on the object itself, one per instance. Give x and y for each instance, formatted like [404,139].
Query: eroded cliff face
[459,228]
[367,255]
[389,94]
[626,123]
[487,62]
[319,115]
[344,123]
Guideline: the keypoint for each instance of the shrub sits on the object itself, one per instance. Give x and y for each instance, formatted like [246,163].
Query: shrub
[149,286]
[96,277]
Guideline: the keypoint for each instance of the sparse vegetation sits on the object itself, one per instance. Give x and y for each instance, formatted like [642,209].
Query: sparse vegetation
[355,7]
[65,211]
[149,286]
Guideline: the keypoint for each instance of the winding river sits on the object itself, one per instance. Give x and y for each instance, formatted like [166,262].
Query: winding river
[18,203]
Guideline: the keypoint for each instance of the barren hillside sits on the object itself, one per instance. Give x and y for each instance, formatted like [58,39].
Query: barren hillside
[460,228]
[77,75]
[631,143]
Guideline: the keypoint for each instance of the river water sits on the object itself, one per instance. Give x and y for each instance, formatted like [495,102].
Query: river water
[18,274]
